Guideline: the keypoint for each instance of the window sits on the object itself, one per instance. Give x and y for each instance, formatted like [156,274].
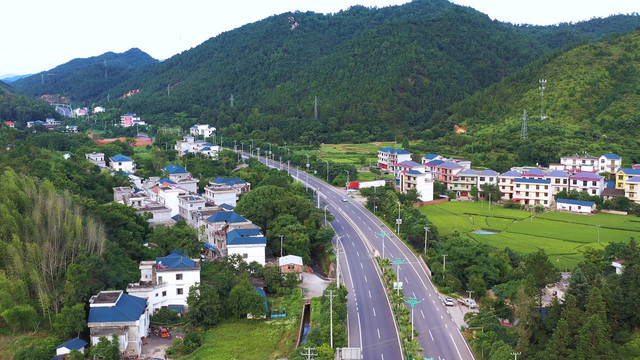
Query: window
[178,276]
[584,183]
[620,177]
[482,178]
[557,181]
[245,255]
[159,279]
[164,293]
[593,183]
[564,181]
[593,191]
[575,182]
[179,291]
[290,267]
[537,187]
[156,294]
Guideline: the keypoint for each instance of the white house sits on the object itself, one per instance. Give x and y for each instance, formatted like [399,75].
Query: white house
[66,347]
[487,177]
[114,312]
[72,128]
[389,156]
[422,182]
[609,163]
[586,181]
[576,206]
[226,190]
[559,181]
[248,243]
[577,163]
[165,282]
[129,119]
[81,111]
[533,191]
[506,183]
[220,224]
[619,265]
[98,109]
[202,130]
[182,177]
[122,163]
[96,158]
[190,145]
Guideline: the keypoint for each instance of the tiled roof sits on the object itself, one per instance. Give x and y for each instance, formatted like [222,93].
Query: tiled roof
[408,163]
[226,206]
[533,181]
[576,202]
[450,165]
[246,237]
[414,172]
[120,158]
[558,174]
[612,156]
[73,344]
[175,261]
[175,169]
[394,151]
[511,173]
[206,148]
[228,181]
[228,216]
[468,172]
[635,180]
[167,181]
[586,176]
[488,172]
[435,162]
[128,308]
[609,184]
[628,171]
[430,156]
[534,172]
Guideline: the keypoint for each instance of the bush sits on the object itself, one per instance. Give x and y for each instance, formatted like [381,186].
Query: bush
[165,317]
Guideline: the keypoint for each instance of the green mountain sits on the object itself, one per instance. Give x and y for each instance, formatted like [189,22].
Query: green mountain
[83,80]
[20,109]
[591,103]
[377,73]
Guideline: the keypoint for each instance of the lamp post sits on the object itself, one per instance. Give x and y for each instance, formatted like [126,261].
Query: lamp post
[327,170]
[444,264]
[398,220]
[413,302]
[398,261]
[426,231]
[281,237]
[347,185]
[325,214]
[382,234]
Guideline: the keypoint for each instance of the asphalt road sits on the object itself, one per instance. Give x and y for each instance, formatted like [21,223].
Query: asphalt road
[370,321]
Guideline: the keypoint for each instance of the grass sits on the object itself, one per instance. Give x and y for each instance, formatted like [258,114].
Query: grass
[351,153]
[249,340]
[10,344]
[563,236]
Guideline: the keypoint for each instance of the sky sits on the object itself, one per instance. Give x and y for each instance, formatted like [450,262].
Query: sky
[38,35]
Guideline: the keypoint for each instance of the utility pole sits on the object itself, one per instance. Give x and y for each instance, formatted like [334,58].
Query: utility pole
[383,234]
[168,90]
[444,264]
[231,100]
[470,292]
[327,170]
[515,355]
[318,194]
[398,220]
[331,296]
[315,111]
[347,185]
[542,84]
[309,354]
[426,231]
[338,261]
[281,237]
[523,131]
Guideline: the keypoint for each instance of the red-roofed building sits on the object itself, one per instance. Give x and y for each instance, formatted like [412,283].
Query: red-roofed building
[10,124]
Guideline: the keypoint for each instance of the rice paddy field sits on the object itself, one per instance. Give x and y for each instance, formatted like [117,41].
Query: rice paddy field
[563,236]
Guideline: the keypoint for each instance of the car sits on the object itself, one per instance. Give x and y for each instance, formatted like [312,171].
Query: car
[470,303]
[345,199]
[449,301]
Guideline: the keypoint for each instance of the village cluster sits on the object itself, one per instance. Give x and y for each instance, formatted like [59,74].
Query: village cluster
[525,185]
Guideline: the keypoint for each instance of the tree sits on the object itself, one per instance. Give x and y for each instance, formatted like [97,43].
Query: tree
[537,265]
[204,305]
[579,287]
[244,300]
[20,316]
[271,275]
[179,236]
[264,204]
[561,344]
[490,189]
[593,341]
[106,349]
[70,322]
[474,192]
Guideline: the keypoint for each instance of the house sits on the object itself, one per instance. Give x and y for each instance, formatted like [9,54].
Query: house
[66,347]
[49,123]
[189,145]
[96,158]
[576,206]
[129,119]
[624,174]
[580,163]
[592,183]
[182,177]
[559,181]
[138,199]
[405,165]
[506,183]
[389,156]
[431,157]
[165,281]
[290,263]
[81,111]
[67,156]
[421,181]
[192,207]
[168,193]
[467,179]
[367,184]
[532,191]
[114,312]
[487,177]
[248,243]
[73,128]
[202,130]
[609,163]
[226,190]
[218,226]
[98,109]
[10,124]
[619,265]
[122,163]
[632,189]
[444,171]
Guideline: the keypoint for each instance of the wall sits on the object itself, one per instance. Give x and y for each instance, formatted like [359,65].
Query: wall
[254,252]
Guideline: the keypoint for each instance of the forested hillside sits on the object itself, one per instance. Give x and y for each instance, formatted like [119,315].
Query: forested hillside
[377,73]
[18,108]
[82,80]
[591,102]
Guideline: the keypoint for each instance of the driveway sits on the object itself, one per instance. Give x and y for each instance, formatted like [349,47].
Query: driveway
[314,285]
[154,347]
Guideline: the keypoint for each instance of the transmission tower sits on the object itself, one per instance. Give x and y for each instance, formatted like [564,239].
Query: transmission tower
[315,112]
[231,100]
[542,83]
[523,133]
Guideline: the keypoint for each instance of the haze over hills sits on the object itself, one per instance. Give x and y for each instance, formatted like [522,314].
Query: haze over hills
[84,79]
[9,78]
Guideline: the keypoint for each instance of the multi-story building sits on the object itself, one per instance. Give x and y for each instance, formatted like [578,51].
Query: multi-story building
[559,181]
[248,243]
[609,163]
[165,281]
[202,130]
[129,119]
[578,163]
[422,182]
[632,189]
[182,177]
[592,183]
[189,145]
[226,190]
[624,174]
[96,158]
[465,180]
[431,157]
[534,173]
[389,156]
[506,183]
[218,226]
[533,191]
[122,163]
[444,172]
[487,177]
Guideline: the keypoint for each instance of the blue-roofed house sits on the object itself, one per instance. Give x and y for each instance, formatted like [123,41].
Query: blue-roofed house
[430,157]
[114,312]
[190,145]
[202,130]
[129,119]
[66,347]
[422,181]
[218,225]
[506,185]
[532,192]
[226,190]
[609,163]
[249,243]
[579,162]
[559,181]
[166,280]
[624,174]
[462,184]
[122,163]
[388,156]
[632,189]
[534,174]
[576,206]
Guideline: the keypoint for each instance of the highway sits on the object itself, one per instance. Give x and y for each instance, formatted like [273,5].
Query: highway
[370,321]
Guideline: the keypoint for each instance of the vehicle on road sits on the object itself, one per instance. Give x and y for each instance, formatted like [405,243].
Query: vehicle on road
[345,199]
[449,301]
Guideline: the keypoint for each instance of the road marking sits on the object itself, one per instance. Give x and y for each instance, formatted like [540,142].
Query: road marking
[438,309]
[430,334]
[357,252]
[441,317]
[360,328]
[422,314]
[429,294]
[446,327]
[414,294]
[359,218]
[362,267]
[379,334]
[433,301]
[365,278]
[353,244]
[374,311]
[382,356]
[454,344]
[369,293]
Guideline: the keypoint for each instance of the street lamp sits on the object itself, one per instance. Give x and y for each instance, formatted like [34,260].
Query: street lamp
[413,302]
[325,214]
[398,261]
[426,231]
[382,234]
[398,220]
[347,186]
[327,170]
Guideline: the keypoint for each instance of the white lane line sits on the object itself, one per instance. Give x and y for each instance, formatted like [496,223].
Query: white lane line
[422,314]
[430,334]
[433,301]
[441,317]
[414,294]
[357,252]
[360,328]
[374,311]
[379,334]
[359,218]
[446,327]
[353,244]
[382,356]
[438,309]
[362,267]
[365,278]
[454,344]
[429,294]
[369,293]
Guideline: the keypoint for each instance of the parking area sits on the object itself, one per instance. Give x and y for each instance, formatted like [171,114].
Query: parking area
[154,347]
[458,311]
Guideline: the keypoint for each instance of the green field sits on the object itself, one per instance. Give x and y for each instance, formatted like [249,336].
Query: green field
[563,236]
[350,153]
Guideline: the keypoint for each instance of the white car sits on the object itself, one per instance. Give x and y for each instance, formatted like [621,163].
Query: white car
[345,199]
[449,301]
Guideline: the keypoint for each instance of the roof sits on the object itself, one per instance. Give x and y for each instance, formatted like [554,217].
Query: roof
[178,308]
[246,237]
[229,207]
[431,156]
[628,171]
[129,114]
[226,216]
[533,181]
[59,357]
[175,261]
[228,181]
[128,308]
[264,297]
[489,172]
[609,184]
[414,172]
[206,148]
[394,151]
[167,181]
[435,162]
[468,172]
[576,202]
[175,169]
[120,158]
[209,246]
[534,172]
[450,165]
[558,174]
[408,163]
[290,259]
[511,173]
[73,344]
[612,156]
[586,176]
[635,180]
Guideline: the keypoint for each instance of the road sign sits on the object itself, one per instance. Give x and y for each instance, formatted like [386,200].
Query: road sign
[398,221]
[397,285]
